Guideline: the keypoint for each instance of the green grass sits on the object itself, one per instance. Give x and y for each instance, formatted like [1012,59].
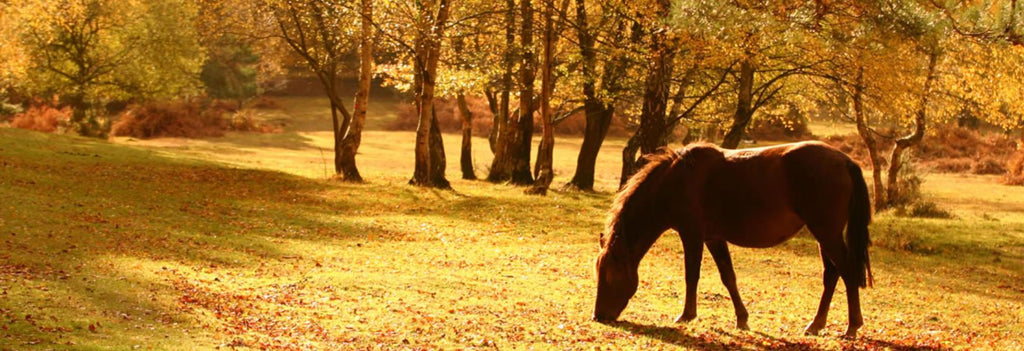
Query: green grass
[243,242]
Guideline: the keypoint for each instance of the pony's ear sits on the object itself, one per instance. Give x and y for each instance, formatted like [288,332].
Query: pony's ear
[601,240]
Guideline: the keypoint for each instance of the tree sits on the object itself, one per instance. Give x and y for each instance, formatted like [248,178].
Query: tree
[14,66]
[316,31]
[653,130]
[544,168]
[887,59]
[432,16]
[512,155]
[94,51]
[601,81]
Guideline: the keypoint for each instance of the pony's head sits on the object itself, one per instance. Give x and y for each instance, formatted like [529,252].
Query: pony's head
[617,281]
[636,220]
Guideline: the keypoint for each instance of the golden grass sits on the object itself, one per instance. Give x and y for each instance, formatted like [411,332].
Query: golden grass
[242,242]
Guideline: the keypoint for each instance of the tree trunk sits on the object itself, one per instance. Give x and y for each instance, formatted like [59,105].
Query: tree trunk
[598,114]
[522,143]
[492,104]
[866,135]
[501,167]
[81,122]
[336,136]
[466,157]
[545,153]
[914,138]
[429,170]
[744,107]
[353,135]
[438,161]
[629,166]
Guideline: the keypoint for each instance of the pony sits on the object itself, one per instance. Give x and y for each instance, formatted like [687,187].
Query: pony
[754,198]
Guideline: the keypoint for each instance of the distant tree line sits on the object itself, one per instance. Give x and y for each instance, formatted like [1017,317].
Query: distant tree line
[670,68]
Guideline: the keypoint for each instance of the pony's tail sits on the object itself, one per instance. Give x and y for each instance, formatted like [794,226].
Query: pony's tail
[857,238]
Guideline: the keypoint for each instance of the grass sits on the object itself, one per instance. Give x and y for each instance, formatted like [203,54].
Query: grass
[242,242]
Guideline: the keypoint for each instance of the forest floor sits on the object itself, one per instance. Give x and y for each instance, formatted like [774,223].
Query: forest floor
[243,242]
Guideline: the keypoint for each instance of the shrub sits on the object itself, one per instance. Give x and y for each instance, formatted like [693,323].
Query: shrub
[853,145]
[952,165]
[248,121]
[791,126]
[446,111]
[1015,169]
[187,119]
[988,165]
[42,118]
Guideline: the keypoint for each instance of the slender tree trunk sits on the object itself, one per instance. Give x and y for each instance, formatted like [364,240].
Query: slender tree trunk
[438,161]
[914,138]
[866,134]
[353,135]
[545,153]
[744,107]
[466,157]
[501,167]
[629,167]
[492,104]
[337,136]
[429,152]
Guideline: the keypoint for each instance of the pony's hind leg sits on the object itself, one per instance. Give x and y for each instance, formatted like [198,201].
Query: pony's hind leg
[693,252]
[720,252]
[833,250]
[829,278]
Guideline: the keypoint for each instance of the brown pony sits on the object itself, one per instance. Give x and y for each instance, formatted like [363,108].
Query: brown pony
[751,198]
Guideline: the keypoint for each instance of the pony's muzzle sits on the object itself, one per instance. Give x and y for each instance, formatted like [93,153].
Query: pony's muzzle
[603,319]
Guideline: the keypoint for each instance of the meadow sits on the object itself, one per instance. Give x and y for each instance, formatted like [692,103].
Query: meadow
[244,242]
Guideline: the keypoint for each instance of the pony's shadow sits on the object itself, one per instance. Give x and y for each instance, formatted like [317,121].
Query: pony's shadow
[674,336]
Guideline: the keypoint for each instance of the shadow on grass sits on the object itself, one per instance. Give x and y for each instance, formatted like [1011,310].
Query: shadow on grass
[754,340]
[675,336]
[874,344]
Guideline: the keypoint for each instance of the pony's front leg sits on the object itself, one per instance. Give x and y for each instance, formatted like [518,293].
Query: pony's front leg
[693,251]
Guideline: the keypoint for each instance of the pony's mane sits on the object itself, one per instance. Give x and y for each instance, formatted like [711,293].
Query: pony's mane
[657,164]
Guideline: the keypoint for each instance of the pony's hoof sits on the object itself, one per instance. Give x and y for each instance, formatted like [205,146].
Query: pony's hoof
[742,325]
[683,318]
[812,330]
[850,334]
